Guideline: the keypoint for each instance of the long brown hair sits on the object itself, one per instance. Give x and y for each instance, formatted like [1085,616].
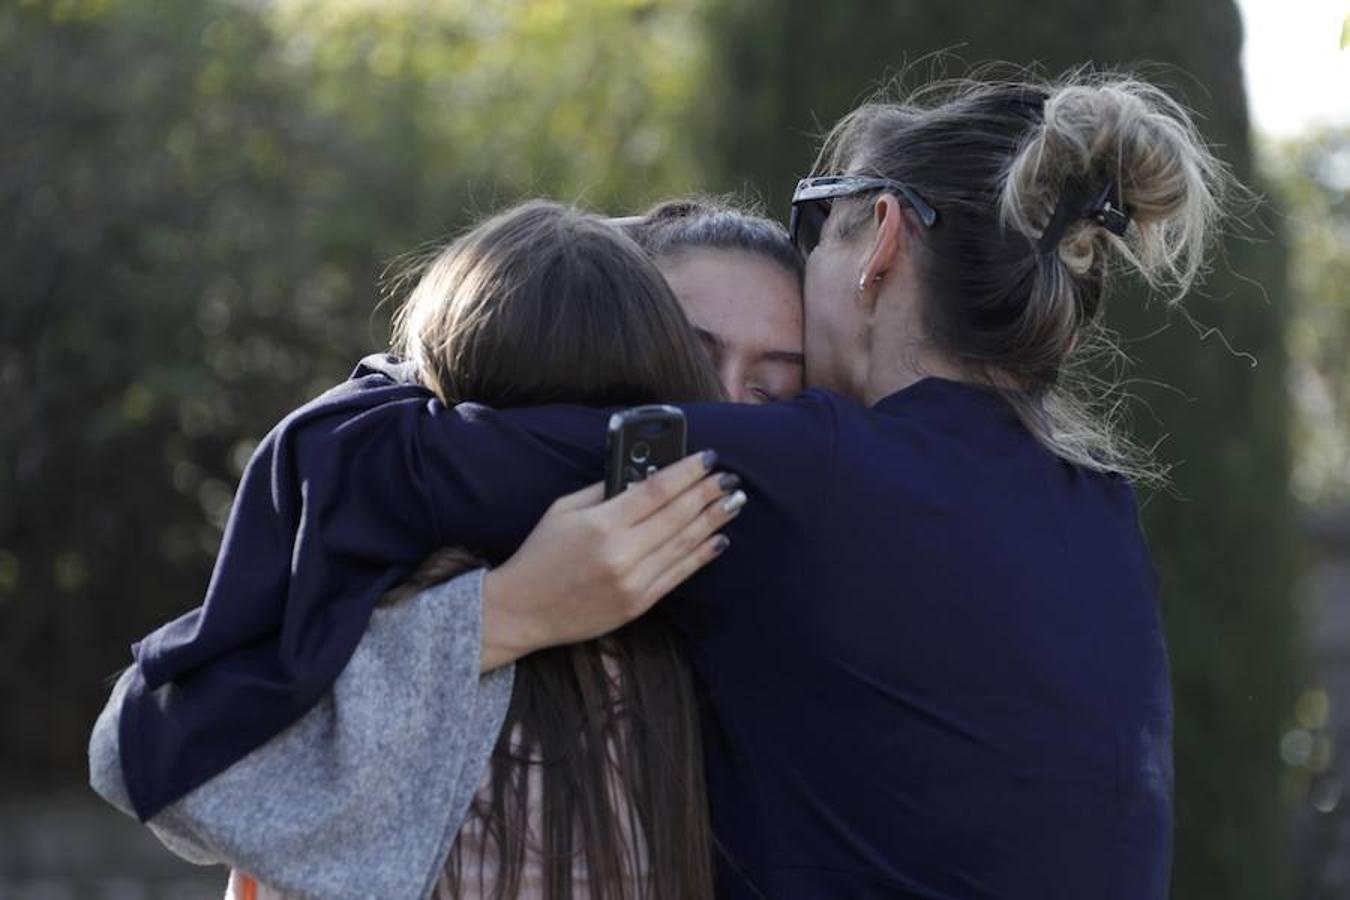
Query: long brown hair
[542,304]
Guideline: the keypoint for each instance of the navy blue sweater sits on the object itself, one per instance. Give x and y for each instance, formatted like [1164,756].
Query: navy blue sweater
[931,660]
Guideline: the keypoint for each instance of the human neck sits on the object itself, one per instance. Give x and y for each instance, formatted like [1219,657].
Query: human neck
[897,353]
[884,380]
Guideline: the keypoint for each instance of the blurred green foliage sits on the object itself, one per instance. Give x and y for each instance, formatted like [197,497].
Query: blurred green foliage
[164,302]
[1312,184]
[202,197]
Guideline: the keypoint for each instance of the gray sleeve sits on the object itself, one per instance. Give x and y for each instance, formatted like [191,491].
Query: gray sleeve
[364,795]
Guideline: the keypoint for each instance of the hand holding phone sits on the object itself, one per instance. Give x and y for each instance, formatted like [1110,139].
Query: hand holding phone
[592,565]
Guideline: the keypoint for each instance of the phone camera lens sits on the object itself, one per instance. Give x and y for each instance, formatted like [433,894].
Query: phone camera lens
[640,452]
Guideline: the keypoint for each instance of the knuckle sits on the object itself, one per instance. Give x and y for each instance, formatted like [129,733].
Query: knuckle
[607,567]
[683,510]
[658,489]
[686,546]
[628,594]
[712,489]
[614,564]
[691,537]
[633,602]
[595,527]
[697,499]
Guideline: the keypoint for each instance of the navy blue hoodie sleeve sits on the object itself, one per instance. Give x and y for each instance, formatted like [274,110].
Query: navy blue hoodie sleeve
[347,495]
[326,519]
[492,473]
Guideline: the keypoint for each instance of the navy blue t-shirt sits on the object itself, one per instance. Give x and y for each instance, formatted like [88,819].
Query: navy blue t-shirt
[931,660]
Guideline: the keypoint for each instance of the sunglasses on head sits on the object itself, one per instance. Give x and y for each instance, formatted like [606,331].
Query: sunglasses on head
[813,198]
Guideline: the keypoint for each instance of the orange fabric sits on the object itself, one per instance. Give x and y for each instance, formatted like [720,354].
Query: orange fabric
[250,887]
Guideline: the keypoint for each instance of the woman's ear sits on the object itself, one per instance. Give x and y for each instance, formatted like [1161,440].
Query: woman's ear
[891,235]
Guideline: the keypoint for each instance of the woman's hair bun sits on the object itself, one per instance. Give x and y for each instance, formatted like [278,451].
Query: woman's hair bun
[1121,131]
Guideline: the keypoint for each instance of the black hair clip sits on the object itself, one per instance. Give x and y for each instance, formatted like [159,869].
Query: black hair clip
[1075,204]
[1114,219]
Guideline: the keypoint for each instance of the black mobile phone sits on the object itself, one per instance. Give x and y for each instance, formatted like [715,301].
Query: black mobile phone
[639,441]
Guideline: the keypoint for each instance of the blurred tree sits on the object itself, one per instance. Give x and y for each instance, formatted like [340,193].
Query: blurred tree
[465,106]
[785,70]
[163,304]
[202,197]
[1312,182]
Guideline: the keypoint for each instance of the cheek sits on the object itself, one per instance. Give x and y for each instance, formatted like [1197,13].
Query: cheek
[821,304]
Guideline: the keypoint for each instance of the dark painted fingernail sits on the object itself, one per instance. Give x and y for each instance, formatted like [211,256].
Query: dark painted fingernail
[709,459]
[721,544]
[728,482]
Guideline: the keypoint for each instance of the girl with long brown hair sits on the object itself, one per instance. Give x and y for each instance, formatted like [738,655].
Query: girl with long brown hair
[594,787]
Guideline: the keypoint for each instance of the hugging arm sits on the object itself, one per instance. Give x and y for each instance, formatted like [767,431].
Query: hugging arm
[361,487]
[363,795]
[589,567]
[406,731]
[489,474]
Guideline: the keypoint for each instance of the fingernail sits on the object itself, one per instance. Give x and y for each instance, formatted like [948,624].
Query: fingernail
[734,502]
[709,459]
[728,482]
[721,543]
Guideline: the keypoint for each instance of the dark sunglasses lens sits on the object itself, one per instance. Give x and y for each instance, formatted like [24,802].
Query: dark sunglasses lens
[810,216]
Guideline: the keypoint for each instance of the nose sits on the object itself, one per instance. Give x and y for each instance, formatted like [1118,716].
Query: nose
[733,380]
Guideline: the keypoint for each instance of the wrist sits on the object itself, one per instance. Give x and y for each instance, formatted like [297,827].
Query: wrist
[509,631]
